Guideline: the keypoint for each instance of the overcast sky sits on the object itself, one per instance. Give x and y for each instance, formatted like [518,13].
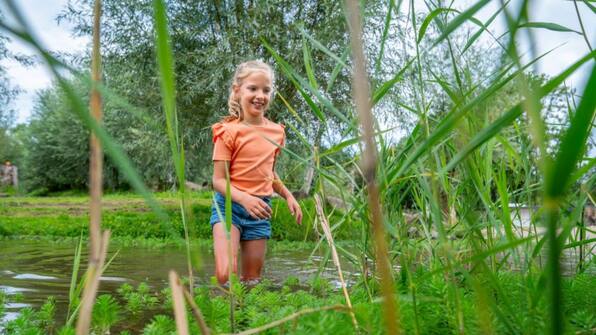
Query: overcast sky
[41,15]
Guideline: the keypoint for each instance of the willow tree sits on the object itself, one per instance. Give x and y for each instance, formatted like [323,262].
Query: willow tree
[209,39]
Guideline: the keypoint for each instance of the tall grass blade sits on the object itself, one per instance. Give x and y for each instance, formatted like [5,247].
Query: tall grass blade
[178,304]
[549,26]
[329,237]
[72,296]
[587,3]
[459,20]
[429,18]
[165,62]
[308,65]
[340,60]
[96,154]
[230,248]
[91,286]
[382,90]
[573,143]
[483,28]
[362,99]
[557,177]
[384,35]
[96,256]
[337,69]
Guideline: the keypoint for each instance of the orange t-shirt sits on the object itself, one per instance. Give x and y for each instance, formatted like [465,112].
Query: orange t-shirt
[251,151]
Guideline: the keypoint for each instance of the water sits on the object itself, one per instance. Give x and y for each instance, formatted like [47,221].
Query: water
[37,269]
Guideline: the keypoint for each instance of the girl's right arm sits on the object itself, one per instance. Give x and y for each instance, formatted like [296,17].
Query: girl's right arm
[255,206]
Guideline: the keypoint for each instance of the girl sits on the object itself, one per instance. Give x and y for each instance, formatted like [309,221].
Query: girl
[246,143]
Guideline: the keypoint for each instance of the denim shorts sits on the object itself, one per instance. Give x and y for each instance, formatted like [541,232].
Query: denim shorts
[249,227]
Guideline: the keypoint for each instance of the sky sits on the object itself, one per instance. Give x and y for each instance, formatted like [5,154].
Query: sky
[41,15]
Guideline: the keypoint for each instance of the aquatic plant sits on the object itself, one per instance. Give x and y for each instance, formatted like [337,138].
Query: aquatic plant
[160,324]
[139,299]
[106,313]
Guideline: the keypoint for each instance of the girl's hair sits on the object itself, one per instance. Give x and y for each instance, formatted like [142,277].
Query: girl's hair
[242,71]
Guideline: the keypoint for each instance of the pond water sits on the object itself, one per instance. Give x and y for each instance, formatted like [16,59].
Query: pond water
[37,269]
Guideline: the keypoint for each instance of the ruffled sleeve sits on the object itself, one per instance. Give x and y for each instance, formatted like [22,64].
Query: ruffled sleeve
[223,133]
[223,140]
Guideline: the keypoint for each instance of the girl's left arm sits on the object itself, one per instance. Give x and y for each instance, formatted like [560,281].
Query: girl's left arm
[282,190]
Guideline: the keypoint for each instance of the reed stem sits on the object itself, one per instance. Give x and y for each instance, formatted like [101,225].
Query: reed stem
[329,237]
[98,244]
[361,94]
[178,304]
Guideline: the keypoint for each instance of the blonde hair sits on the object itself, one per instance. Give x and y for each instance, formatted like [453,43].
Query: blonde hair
[242,71]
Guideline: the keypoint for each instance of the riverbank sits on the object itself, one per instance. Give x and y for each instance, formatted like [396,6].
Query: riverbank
[128,216]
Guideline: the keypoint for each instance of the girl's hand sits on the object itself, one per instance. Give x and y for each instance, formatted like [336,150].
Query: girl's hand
[256,207]
[295,209]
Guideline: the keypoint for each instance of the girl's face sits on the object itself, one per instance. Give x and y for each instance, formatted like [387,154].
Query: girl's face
[254,94]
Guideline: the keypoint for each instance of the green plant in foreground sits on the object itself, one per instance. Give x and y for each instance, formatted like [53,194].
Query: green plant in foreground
[106,313]
[160,325]
[137,299]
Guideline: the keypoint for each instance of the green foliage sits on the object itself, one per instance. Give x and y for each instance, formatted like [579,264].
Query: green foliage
[511,304]
[127,217]
[106,313]
[138,299]
[160,324]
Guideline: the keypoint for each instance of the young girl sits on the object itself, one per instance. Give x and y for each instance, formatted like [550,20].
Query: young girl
[247,144]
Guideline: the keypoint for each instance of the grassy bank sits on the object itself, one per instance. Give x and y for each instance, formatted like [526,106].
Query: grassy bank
[127,216]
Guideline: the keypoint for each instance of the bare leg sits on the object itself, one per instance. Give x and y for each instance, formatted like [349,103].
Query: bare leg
[220,248]
[253,257]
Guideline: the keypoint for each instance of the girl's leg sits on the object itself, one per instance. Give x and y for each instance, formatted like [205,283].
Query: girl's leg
[220,248]
[253,258]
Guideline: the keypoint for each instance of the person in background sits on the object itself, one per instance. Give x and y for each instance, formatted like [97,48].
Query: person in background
[9,177]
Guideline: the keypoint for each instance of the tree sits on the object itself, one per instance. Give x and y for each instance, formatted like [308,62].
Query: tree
[57,144]
[209,40]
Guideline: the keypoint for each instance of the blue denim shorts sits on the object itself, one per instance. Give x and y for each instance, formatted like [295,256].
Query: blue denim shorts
[249,227]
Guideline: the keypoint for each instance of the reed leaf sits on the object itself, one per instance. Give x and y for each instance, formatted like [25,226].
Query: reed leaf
[340,60]
[429,18]
[165,61]
[573,143]
[549,26]
[483,28]
[460,19]
[384,35]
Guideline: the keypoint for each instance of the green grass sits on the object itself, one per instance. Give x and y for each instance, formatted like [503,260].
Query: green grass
[127,216]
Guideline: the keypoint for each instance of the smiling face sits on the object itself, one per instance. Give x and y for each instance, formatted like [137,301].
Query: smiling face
[254,94]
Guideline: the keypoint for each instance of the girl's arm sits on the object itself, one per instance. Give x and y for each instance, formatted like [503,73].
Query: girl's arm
[255,206]
[282,190]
